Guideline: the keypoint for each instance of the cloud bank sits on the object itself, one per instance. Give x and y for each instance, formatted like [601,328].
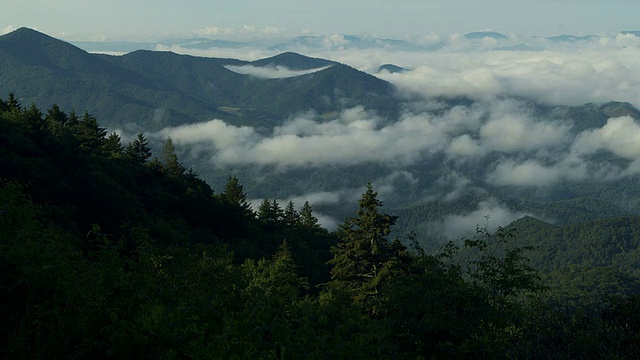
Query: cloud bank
[519,148]
[501,140]
[564,69]
[271,72]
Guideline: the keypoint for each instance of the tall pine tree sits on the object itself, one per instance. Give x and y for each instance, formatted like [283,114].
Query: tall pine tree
[363,258]
[169,160]
[138,150]
[234,193]
[306,216]
[291,216]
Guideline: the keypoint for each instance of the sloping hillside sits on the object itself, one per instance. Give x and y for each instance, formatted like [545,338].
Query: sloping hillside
[150,90]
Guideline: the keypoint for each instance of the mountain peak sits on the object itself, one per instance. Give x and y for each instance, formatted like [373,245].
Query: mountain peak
[293,61]
[25,33]
[32,45]
[485,34]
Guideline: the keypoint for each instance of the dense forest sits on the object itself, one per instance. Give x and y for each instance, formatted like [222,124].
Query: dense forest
[107,251]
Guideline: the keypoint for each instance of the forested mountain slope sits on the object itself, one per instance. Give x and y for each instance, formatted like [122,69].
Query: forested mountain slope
[150,90]
[107,251]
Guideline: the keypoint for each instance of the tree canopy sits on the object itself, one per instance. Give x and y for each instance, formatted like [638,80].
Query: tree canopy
[105,254]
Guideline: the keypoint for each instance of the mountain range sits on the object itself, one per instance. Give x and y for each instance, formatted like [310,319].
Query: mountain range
[148,91]
[159,89]
[345,42]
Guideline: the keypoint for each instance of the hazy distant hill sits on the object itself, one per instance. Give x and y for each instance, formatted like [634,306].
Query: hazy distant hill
[484,34]
[294,61]
[391,68]
[572,38]
[348,42]
[156,89]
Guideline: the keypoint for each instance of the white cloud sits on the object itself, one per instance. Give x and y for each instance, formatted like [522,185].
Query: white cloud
[357,136]
[335,41]
[561,75]
[512,129]
[245,32]
[528,173]
[214,31]
[620,136]
[216,132]
[489,213]
[520,148]
[465,146]
[271,72]
[316,198]
[598,69]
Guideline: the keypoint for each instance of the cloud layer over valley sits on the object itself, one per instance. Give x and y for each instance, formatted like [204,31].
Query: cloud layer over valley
[567,69]
[484,116]
[270,72]
[504,134]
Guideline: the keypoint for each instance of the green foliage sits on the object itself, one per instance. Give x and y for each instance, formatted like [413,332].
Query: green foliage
[104,254]
[138,150]
[270,211]
[502,270]
[306,216]
[432,312]
[234,194]
[158,89]
[291,215]
[363,258]
[169,160]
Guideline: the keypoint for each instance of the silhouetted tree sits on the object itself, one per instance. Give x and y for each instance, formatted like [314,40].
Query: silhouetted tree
[363,258]
[291,216]
[138,150]
[169,160]
[306,216]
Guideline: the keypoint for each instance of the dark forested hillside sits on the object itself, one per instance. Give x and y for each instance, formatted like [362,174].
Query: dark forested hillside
[110,251]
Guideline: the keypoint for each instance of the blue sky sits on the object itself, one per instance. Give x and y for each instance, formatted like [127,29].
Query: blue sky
[146,19]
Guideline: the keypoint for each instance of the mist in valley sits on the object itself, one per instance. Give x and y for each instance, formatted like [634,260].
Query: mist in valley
[483,121]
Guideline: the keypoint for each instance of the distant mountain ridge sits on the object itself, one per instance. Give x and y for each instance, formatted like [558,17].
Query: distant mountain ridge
[158,89]
[484,34]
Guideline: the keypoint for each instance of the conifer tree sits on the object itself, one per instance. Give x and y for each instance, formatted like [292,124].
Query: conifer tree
[277,214]
[34,120]
[291,216]
[57,121]
[264,209]
[234,194]
[13,103]
[73,120]
[138,150]
[364,258]
[54,114]
[277,278]
[113,145]
[169,160]
[92,136]
[270,211]
[306,216]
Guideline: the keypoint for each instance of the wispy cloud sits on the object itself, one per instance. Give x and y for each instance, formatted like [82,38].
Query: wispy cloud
[489,213]
[507,138]
[271,72]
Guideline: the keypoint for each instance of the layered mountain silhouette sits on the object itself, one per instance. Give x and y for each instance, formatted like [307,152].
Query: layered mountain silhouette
[151,89]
